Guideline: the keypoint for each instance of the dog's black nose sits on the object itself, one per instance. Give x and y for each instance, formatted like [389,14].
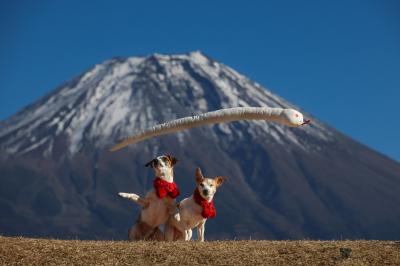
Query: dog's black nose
[205,192]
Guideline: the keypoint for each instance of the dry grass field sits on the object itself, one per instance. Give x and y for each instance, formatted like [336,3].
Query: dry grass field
[28,251]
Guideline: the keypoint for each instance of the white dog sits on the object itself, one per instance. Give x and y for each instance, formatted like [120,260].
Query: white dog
[195,210]
[159,202]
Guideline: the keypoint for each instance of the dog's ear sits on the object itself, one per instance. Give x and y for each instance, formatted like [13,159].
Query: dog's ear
[219,180]
[199,175]
[149,164]
[172,159]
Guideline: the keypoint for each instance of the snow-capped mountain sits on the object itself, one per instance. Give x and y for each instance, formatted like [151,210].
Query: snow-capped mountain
[121,96]
[58,176]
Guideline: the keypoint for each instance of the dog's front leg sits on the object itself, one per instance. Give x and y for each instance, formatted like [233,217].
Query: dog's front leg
[173,209]
[188,234]
[169,230]
[200,231]
[135,198]
[169,234]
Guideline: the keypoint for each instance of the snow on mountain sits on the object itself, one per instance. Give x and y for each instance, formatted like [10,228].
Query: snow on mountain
[58,178]
[109,102]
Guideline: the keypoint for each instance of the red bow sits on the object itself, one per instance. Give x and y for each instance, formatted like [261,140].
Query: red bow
[208,207]
[164,188]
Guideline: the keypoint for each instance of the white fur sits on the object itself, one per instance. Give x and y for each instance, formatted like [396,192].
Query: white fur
[129,196]
[190,212]
[155,211]
[190,217]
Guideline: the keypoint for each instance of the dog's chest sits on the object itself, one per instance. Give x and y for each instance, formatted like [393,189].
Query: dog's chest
[190,214]
[157,212]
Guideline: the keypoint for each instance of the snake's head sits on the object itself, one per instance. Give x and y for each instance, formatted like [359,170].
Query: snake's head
[294,118]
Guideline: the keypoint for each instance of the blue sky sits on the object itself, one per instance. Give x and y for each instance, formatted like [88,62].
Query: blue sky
[339,60]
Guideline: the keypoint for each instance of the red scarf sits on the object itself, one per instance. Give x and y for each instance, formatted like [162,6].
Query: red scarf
[164,188]
[208,207]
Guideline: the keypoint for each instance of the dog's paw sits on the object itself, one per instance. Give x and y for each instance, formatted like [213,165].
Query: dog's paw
[123,195]
[177,216]
[130,196]
[188,235]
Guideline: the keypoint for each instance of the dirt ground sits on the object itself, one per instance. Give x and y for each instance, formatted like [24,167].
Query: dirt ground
[28,251]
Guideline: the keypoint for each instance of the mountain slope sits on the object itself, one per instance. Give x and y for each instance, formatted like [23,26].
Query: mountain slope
[58,178]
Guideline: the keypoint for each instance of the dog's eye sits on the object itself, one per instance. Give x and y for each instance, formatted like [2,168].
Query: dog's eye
[211,185]
[202,185]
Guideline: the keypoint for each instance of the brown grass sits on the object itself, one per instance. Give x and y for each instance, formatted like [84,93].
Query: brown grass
[28,251]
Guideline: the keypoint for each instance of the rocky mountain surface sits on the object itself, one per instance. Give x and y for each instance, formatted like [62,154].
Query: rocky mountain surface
[57,177]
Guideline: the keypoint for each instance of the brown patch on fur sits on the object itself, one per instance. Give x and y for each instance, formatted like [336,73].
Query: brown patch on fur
[142,231]
[178,235]
[172,160]
[199,175]
[219,180]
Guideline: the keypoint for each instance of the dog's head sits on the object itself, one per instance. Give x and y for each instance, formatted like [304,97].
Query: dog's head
[208,186]
[163,165]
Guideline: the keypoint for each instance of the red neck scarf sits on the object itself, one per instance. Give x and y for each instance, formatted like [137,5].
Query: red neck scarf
[208,207]
[164,188]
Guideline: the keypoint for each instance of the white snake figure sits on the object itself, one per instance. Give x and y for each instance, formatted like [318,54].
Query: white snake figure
[287,117]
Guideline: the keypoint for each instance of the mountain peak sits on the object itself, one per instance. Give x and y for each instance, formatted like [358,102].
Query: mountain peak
[114,99]
[199,57]
[59,179]
[194,56]
[189,55]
